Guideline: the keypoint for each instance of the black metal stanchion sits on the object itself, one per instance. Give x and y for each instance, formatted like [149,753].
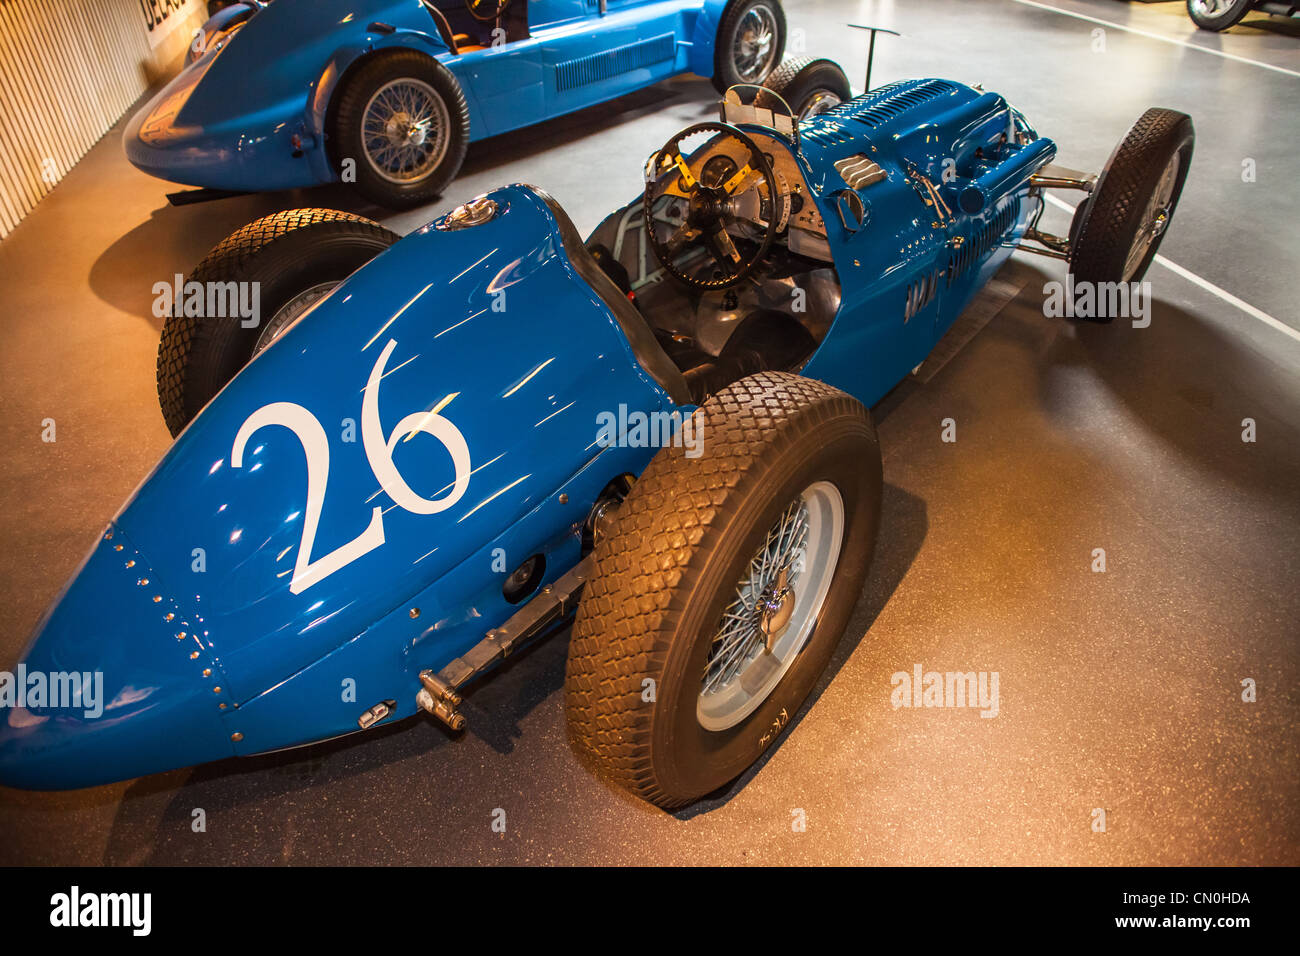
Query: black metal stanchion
[871,48]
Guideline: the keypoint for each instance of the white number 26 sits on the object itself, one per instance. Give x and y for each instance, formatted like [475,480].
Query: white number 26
[379,452]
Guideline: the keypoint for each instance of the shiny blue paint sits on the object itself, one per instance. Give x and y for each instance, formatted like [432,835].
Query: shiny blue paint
[524,383]
[525,395]
[251,112]
[870,348]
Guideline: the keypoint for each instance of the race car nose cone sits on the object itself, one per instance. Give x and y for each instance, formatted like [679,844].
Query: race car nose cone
[108,689]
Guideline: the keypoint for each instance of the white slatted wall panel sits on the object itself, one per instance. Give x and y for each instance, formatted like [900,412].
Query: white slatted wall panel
[69,69]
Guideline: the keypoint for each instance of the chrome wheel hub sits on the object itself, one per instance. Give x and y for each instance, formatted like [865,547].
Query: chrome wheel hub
[775,607]
[1155,218]
[819,103]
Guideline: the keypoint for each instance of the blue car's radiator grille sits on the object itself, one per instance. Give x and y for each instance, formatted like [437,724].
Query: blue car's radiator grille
[974,249]
[624,59]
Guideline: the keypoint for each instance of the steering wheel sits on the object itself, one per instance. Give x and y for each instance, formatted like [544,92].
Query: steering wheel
[712,199]
[486,10]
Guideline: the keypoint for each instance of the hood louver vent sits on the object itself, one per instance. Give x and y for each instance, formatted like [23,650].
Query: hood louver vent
[879,107]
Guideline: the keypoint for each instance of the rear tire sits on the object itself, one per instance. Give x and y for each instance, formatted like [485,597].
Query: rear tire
[744,26]
[295,257]
[1217,14]
[652,616]
[374,108]
[808,85]
[1118,229]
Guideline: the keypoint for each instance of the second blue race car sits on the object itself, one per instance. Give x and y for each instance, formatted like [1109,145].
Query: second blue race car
[389,93]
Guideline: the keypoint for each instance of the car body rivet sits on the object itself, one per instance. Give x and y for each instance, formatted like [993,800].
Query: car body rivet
[216,690]
[157,599]
[236,736]
[415,612]
[180,635]
[194,655]
[131,563]
[169,616]
[142,582]
[207,672]
[564,499]
[117,547]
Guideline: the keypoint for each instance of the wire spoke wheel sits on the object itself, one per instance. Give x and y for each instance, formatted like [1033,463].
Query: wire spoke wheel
[775,606]
[405,129]
[755,49]
[715,603]
[1155,218]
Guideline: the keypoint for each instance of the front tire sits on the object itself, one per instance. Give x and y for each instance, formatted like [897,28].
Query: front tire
[1118,229]
[295,257]
[1217,14]
[808,85]
[749,44]
[673,687]
[403,121]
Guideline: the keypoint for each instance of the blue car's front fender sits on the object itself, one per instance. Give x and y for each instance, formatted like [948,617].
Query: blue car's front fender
[704,39]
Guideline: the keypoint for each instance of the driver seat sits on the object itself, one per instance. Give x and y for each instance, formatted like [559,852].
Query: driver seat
[465,44]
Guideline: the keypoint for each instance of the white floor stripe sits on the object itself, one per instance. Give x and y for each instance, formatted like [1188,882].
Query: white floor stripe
[1206,284]
[1158,36]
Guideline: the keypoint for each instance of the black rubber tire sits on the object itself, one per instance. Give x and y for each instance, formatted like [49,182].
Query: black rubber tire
[798,80]
[1105,226]
[287,253]
[1233,16]
[671,562]
[345,127]
[725,74]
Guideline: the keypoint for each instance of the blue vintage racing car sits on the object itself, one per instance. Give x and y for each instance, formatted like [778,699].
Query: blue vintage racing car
[428,451]
[389,93]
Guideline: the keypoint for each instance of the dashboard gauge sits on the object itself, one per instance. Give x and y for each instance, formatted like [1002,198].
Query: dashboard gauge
[717,171]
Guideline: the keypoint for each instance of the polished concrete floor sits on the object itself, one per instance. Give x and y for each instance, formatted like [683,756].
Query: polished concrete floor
[1118,691]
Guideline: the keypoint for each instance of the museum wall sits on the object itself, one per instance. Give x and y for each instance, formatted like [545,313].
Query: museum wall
[69,70]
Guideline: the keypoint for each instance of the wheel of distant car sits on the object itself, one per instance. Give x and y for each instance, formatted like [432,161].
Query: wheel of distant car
[295,258]
[750,43]
[1119,227]
[403,121]
[808,85]
[724,589]
[1218,14]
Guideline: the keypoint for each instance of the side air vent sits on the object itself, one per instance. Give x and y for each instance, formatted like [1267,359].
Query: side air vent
[586,70]
[859,171]
[920,294]
[973,250]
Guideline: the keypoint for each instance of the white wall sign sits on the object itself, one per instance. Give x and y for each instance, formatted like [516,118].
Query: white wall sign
[161,17]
